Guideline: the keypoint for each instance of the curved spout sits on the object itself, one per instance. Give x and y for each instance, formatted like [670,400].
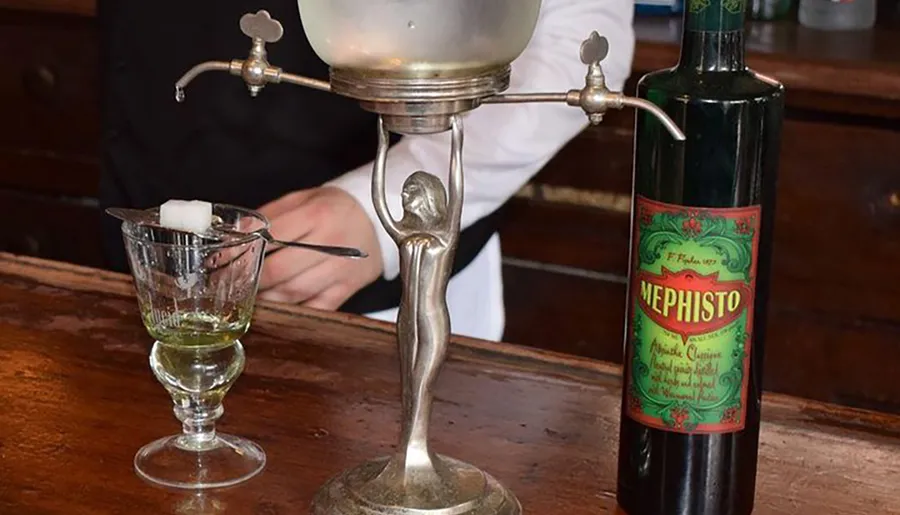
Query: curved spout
[192,74]
[646,105]
[594,103]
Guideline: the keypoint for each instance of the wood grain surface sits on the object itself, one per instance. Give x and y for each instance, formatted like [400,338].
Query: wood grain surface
[320,393]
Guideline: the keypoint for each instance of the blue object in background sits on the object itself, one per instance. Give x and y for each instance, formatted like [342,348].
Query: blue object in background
[658,7]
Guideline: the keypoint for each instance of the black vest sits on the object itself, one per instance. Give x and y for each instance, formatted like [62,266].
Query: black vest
[221,145]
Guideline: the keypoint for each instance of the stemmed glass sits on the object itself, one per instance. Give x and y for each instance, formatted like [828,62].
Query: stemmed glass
[196,297]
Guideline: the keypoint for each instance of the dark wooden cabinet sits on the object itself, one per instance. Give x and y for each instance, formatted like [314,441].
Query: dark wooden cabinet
[48,94]
[49,135]
[834,331]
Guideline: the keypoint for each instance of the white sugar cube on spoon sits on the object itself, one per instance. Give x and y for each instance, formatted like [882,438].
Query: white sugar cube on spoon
[186,215]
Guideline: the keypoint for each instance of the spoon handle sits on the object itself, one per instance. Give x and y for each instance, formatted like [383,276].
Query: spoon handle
[325,249]
[334,251]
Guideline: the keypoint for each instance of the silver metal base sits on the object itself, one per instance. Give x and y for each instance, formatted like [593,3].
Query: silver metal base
[419,105]
[379,487]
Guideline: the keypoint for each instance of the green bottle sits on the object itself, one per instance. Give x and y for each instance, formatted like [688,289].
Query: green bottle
[700,263]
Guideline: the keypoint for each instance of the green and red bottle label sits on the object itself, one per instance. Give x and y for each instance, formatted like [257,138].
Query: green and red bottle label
[691,315]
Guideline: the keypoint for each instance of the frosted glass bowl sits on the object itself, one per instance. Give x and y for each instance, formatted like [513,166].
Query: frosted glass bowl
[419,38]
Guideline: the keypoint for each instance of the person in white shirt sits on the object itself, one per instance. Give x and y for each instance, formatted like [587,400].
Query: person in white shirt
[505,146]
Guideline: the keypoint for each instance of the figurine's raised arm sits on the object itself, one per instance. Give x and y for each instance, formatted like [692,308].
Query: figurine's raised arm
[455,195]
[379,197]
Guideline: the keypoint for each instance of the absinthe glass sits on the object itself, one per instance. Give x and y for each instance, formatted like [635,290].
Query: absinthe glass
[196,297]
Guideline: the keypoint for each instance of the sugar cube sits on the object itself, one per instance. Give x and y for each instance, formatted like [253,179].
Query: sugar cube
[186,215]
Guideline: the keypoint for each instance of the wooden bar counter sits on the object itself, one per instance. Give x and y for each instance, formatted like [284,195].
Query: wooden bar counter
[321,393]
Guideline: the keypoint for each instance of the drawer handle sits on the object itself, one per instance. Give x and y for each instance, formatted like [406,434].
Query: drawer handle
[40,81]
[886,208]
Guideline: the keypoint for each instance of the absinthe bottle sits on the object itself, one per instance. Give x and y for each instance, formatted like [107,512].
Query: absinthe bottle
[700,262]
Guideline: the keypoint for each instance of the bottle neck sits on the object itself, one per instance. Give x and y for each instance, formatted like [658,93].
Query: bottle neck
[713,38]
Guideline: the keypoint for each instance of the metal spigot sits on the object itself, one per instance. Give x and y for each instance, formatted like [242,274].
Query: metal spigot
[256,71]
[594,98]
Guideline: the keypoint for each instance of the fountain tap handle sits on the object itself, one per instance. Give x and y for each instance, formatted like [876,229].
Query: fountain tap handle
[595,98]
[594,49]
[261,26]
[262,29]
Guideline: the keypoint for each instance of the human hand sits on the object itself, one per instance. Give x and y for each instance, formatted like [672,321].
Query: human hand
[327,216]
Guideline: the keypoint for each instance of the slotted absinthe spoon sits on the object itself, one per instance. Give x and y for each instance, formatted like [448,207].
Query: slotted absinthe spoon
[151,218]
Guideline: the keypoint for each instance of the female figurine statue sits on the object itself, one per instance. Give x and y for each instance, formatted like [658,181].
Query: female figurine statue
[414,480]
[427,237]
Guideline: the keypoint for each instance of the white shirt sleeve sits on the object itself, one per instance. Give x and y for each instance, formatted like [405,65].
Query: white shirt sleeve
[506,145]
